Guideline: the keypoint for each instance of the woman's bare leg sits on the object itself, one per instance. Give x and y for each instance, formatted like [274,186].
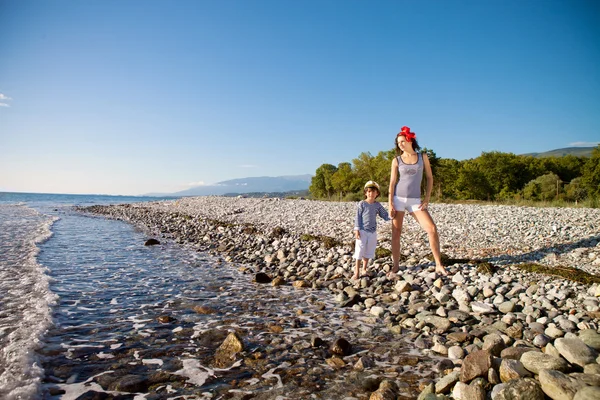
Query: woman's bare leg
[396,232]
[426,222]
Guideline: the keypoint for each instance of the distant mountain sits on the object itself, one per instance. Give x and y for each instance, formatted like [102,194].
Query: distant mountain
[575,151]
[262,184]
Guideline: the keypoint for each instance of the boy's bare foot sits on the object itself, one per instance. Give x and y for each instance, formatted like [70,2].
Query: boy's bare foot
[354,277]
[440,269]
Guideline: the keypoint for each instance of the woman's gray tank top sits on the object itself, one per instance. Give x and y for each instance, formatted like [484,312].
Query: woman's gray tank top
[409,178]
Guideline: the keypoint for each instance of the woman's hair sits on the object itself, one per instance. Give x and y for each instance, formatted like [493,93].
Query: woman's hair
[410,137]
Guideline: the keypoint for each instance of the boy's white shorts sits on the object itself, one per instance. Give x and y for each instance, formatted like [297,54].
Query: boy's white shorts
[365,247]
[409,204]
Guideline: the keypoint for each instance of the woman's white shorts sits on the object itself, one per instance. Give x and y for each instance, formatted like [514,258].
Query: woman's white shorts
[410,204]
[365,246]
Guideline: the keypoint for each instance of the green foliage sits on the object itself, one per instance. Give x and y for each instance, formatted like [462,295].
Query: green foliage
[472,183]
[570,273]
[493,176]
[590,177]
[575,190]
[343,179]
[278,232]
[327,241]
[321,184]
[380,252]
[545,187]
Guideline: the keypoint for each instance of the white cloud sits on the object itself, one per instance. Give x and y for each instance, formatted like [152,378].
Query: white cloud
[3,99]
[584,144]
[248,166]
[200,183]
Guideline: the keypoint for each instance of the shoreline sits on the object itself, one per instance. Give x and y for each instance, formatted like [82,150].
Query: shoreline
[469,317]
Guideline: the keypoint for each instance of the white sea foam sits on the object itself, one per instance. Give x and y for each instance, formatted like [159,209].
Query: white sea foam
[26,299]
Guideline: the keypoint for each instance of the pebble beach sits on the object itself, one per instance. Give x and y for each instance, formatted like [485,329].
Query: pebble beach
[491,329]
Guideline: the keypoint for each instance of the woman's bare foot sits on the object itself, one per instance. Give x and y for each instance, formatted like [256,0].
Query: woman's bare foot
[440,269]
[364,272]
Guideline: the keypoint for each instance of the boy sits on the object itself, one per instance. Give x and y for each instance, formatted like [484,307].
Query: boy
[365,227]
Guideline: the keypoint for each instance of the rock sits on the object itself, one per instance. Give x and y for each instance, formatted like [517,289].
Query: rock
[459,337]
[590,337]
[456,353]
[364,363]
[341,347]
[592,369]
[506,307]
[278,281]
[301,284]
[335,362]
[441,324]
[520,389]
[474,365]
[130,384]
[494,343]
[165,319]
[151,242]
[403,286]
[355,299]
[275,328]
[462,391]
[512,369]
[557,385]
[261,277]
[541,340]
[588,393]
[445,384]
[226,353]
[92,395]
[482,308]
[515,353]
[535,362]
[377,311]
[383,394]
[576,351]
[204,310]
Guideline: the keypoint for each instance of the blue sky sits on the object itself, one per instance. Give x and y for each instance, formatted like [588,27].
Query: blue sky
[131,97]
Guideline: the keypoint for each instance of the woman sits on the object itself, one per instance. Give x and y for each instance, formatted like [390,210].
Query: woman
[405,195]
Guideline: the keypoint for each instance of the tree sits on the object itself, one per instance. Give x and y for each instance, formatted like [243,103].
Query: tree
[343,179]
[545,187]
[590,176]
[445,178]
[321,185]
[575,190]
[471,182]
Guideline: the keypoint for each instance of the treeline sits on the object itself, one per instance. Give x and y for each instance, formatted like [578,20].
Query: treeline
[493,176]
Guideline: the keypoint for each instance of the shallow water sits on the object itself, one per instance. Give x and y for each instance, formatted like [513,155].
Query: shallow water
[25,299]
[88,305]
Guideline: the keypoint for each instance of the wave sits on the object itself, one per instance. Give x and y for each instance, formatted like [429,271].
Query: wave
[26,303]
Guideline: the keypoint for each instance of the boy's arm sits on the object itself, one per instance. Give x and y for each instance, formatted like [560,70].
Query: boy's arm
[358,221]
[383,213]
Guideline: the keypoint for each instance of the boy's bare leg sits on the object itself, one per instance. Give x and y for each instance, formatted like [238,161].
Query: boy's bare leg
[365,262]
[356,269]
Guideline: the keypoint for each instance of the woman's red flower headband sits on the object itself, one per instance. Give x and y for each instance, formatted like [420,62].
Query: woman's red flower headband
[405,131]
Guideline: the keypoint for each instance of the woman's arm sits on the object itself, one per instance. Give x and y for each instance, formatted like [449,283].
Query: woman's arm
[393,180]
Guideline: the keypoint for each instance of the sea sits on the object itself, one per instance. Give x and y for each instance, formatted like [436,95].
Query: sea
[82,300]
[52,261]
